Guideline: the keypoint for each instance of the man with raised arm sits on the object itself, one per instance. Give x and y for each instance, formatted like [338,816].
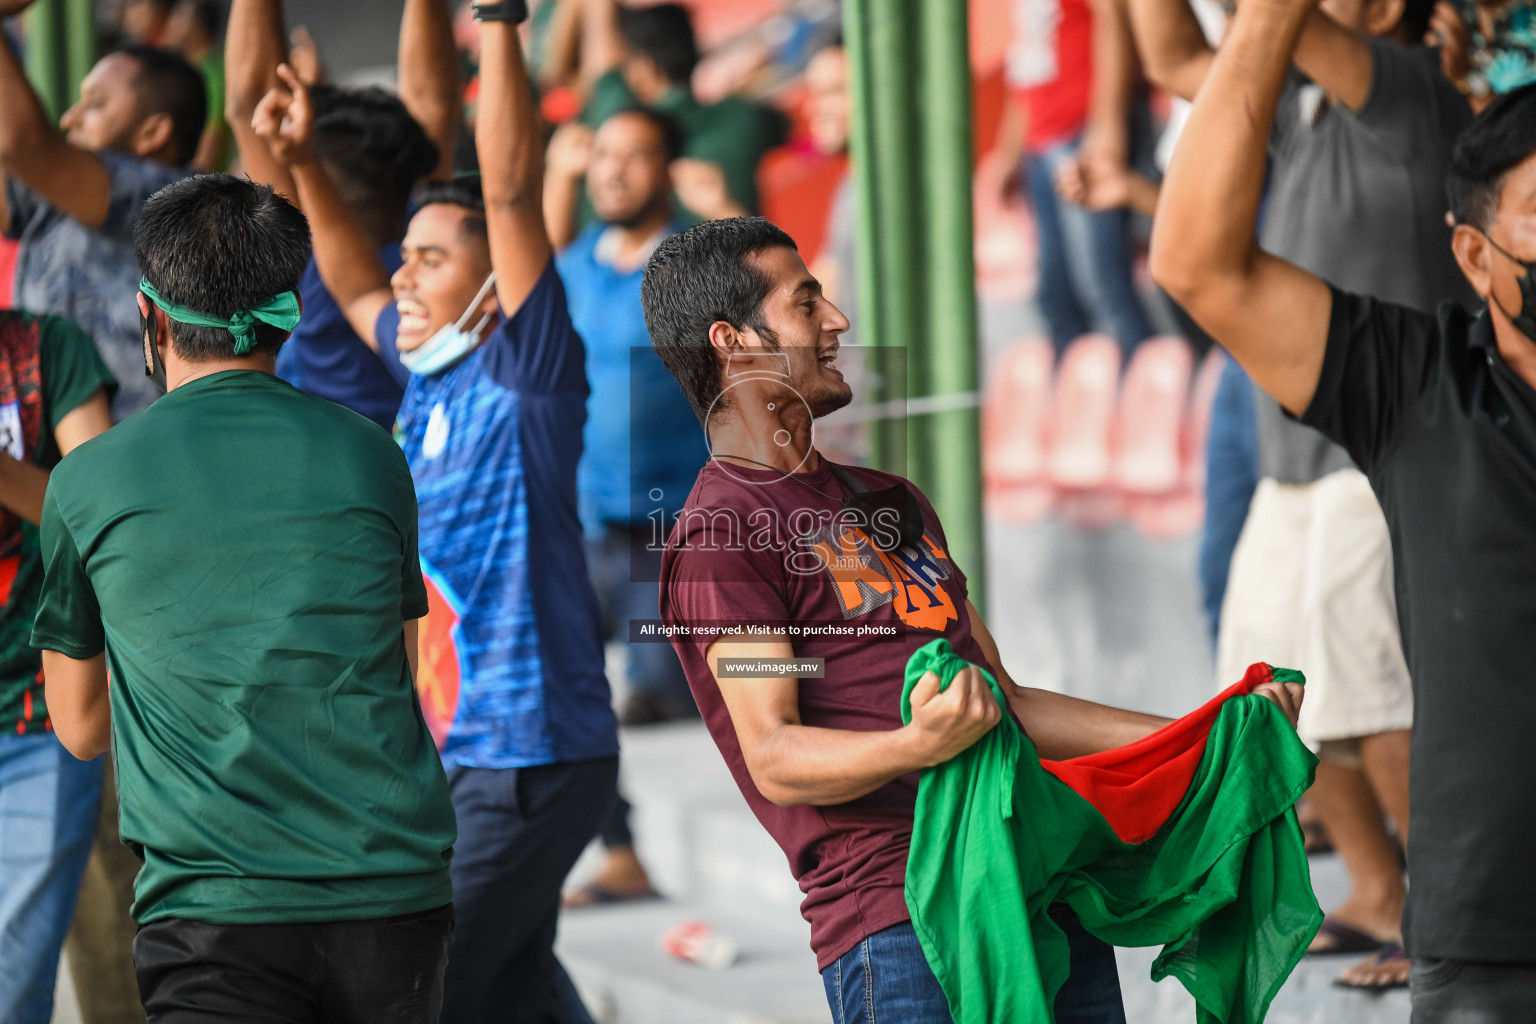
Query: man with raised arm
[1359,145]
[512,676]
[241,559]
[376,148]
[71,197]
[1440,415]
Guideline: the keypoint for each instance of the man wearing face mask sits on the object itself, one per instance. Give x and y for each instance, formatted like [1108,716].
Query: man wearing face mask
[511,678]
[1359,146]
[1440,415]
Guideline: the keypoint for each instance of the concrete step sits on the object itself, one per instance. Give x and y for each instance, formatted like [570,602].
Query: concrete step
[612,955]
[692,827]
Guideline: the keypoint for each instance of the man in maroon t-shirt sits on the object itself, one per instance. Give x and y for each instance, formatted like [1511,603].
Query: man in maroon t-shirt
[781,554]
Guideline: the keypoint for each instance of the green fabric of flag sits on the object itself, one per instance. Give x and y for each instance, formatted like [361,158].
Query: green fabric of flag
[1223,884]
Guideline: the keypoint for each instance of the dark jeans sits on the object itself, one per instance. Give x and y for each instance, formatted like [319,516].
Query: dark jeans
[1465,992]
[520,830]
[381,971]
[625,574]
[1086,279]
[887,978]
[1231,474]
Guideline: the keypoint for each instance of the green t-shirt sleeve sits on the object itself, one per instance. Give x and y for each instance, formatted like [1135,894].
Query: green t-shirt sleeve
[71,368]
[413,588]
[68,616]
[610,94]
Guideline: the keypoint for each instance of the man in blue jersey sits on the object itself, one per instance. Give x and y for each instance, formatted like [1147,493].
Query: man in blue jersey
[511,677]
[376,148]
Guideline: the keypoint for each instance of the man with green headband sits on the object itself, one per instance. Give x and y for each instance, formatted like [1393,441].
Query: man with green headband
[240,558]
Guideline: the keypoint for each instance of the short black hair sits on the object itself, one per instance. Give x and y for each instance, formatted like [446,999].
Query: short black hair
[666,127]
[374,150]
[1500,138]
[663,33]
[217,244]
[463,190]
[1415,18]
[697,277]
[167,84]
[207,15]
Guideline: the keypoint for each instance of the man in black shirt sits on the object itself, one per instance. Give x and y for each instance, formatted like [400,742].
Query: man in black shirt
[1440,413]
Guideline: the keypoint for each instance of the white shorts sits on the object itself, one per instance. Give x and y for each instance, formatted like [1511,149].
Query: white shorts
[1311,589]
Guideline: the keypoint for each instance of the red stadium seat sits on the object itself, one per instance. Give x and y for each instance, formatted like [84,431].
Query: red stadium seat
[1181,513]
[1150,423]
[1013,421]
[1082,414]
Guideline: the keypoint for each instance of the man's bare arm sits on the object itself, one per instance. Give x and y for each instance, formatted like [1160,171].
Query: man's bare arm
[794,764]
[34,153]
[1271,315]
[1172,44]
[254,45]
[349,265]
[23,484]
[1114,81]
[602,48]
[510,142]
[1063,727]
[429,75]
[412,645]
[77,703]
[1336,59]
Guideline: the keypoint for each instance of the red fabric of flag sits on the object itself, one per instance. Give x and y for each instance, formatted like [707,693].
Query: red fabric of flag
[1137,787]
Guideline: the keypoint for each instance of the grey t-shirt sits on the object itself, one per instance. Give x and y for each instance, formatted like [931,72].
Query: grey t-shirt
[90,275]
[1358,198]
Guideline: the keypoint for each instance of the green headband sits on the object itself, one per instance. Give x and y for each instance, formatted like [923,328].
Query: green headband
[281,311]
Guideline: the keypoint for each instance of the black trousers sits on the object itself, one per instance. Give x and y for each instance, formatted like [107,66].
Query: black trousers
[1467,992]
[381,971]
[520,831]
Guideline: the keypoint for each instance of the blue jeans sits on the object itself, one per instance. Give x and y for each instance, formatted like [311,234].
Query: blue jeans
[48,804]
[1084,261]
[1231,474]
[887,978]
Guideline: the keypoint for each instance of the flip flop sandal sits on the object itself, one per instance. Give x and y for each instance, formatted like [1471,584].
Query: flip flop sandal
[594,895]
[1346,940]
[1315,838]
[1390,953]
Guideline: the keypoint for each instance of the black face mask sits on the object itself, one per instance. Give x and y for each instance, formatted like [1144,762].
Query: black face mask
[891,518]
[154,369]
[1525,320]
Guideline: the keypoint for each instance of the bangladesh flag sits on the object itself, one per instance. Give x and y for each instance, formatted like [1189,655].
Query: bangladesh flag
[1186,839]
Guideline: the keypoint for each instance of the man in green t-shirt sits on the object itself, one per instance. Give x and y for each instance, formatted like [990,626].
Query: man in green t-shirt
[242,558]
[646,55]
[55,393]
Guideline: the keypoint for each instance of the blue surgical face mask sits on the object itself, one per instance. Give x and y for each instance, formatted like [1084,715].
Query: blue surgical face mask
[452,343]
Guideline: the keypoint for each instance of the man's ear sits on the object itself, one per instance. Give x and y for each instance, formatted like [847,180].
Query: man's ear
[725,339]
[153,135]
[1383,17]
[1475,258]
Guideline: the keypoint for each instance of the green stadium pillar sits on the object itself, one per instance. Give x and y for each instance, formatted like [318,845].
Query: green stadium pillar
[949,339]
[79,44]
[46,66]
[911,153]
